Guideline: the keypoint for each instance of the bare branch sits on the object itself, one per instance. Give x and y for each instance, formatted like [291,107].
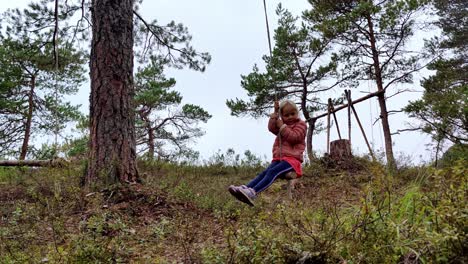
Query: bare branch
[162,42]
[83,17]
[397,93]
[408,73]
[406,130]
[394,111]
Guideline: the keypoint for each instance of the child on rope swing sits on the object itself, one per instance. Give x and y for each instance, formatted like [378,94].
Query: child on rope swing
[288,151]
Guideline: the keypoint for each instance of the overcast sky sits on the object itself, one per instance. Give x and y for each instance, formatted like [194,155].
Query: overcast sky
[234,33]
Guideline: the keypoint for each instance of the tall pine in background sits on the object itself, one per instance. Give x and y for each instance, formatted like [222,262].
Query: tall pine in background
[300,68]
[37,72]
[164,126]
[373,38]
[443,108]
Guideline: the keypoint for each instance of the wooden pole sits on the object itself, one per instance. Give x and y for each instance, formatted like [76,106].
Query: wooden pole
[348,97]
[336,120]
[346,105]
[362,130]
[328,126]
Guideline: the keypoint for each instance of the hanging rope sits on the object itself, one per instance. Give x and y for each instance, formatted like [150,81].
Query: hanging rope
[371,114]
[271,55]
[269,39]
[267,27]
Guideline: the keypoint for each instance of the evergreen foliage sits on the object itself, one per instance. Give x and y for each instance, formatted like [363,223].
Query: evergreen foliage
[373,39]
[34,79]
[164,126]
[299,67]
[443,108]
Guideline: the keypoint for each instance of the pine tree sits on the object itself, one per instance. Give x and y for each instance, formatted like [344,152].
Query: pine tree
[37,73]
[113,154]
[373,37]
[164,128]
[299,68]
[443,108]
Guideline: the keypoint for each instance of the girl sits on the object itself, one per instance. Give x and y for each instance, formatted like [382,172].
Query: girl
[288,150]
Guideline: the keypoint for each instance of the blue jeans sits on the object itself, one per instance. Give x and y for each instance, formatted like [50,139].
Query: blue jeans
[269,175]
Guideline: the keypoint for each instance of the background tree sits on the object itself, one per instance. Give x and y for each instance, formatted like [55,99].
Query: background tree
[300,65]
[373,37]
[10,104]
[443,108]
[112,116]
[163,128]
[37,77]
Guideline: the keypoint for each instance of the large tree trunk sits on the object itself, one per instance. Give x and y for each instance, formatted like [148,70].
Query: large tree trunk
[381,98]
[112,156]
[27,129]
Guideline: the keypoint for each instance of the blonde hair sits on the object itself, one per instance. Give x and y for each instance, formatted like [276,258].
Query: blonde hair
[287,102]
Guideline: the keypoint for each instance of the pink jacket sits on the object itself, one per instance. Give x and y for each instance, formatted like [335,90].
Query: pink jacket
[292,139]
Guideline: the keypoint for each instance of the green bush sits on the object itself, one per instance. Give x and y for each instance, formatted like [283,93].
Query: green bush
[453,154]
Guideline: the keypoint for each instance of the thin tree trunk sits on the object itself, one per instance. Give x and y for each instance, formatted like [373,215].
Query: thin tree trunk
[27,130]
[112,156]
[310,122]
[144,115]
[150,142]
[328,126]
[310,133]
[437,153]
[381,98]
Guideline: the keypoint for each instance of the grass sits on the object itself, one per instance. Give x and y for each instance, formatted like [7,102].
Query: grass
[183,214]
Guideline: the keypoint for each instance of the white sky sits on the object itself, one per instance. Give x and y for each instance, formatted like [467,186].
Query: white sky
[234,33]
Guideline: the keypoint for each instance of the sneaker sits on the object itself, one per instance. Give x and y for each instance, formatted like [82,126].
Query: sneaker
[246,195]
[233,189]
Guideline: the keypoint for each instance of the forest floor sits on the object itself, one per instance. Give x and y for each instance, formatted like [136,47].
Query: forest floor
[184,214]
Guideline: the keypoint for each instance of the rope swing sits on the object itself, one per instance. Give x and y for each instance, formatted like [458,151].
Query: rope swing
[267,27]
[269,39]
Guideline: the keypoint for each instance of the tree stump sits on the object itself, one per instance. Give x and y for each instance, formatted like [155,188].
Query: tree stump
[340,150]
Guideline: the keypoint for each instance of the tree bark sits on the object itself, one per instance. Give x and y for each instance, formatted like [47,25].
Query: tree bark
[381,98]
[340,150]
[27,130]
[310,133]
[310,122]
[112,156]
[150,142]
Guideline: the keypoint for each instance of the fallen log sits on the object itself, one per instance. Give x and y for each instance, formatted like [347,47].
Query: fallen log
[55,163]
